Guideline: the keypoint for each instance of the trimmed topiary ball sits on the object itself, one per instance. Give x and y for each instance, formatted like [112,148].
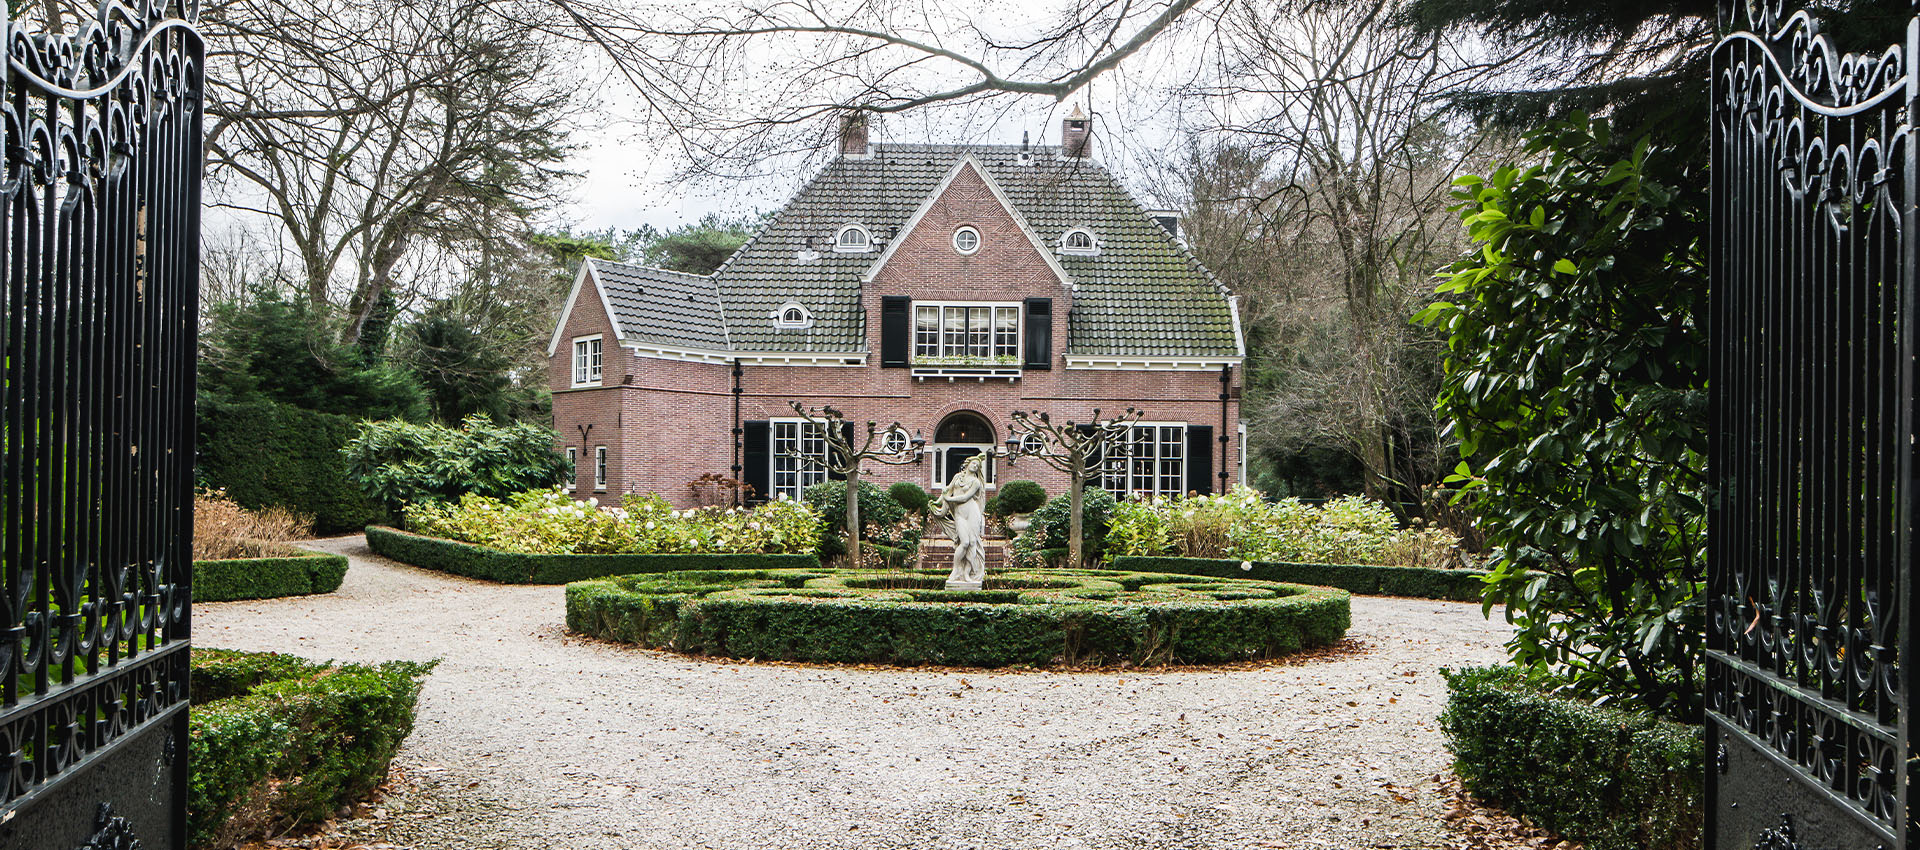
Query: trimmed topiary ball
[1022,497]
[912,498]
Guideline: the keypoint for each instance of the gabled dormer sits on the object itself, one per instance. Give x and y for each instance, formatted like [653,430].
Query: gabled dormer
[968,289]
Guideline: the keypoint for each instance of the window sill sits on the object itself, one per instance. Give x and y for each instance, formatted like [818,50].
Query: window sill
[979,373]
[586,386]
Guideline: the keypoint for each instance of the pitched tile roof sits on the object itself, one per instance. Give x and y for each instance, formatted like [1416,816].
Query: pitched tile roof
[1143,295]
[664,308]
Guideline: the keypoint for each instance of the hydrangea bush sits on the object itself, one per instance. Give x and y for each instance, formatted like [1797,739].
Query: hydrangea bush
[549,522]
[1242,525]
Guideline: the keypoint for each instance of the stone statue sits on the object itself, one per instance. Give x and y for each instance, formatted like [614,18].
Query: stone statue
[963,513]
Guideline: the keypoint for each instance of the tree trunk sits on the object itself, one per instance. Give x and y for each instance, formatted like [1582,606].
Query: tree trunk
[853,516]
[1076,540]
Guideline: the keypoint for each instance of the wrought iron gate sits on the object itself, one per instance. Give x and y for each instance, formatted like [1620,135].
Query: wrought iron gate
[99,223]
[1809,727]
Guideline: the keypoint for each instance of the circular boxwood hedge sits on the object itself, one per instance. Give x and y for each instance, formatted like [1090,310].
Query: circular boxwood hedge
[1036,617]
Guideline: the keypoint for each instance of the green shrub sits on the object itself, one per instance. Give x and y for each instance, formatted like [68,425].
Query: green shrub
[1037,618]
[265,455]
[1021,497]
[1241,525]
[912,497]
[549,522]
[878,512]
[400,463]
[472,561]
[277,742]
[1053,524]
[1576,389]
[1366,579]
[1612,778]
[267,578]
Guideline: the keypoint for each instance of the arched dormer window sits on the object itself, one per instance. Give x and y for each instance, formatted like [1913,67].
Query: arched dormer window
[1079,241]
[853,239]
[792,316]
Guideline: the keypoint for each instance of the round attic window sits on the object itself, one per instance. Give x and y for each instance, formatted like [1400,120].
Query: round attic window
[966,240]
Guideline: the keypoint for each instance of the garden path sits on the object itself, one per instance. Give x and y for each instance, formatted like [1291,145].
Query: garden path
[530,738]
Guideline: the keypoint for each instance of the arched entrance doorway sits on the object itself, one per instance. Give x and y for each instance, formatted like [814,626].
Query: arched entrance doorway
[960,436]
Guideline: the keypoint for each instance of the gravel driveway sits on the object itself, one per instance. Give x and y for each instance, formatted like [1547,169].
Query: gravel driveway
[530,738]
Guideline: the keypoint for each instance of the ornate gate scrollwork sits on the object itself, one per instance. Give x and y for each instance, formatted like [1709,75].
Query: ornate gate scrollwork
[99,219]
[1813,323]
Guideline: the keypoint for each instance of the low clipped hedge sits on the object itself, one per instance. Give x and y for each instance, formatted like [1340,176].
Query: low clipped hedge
[466,559]
[1364,579]
[1035,618]
[279,741]
[1612,778]
[267,578]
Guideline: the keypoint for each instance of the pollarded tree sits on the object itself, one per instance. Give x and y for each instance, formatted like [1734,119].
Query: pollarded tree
[1081,450]
[843,460]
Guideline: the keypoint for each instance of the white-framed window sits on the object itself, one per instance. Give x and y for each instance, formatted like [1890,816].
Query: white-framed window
[1150,460]
[986,330]
[599,467]
[966,240]
[791,474]
[586,361]
[1079,241]
[853,239]
[792,315]
[573,467]
[895,441]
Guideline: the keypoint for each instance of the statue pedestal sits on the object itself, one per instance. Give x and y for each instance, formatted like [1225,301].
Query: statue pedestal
[963,585]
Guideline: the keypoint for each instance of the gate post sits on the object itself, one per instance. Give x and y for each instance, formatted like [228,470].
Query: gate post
[1813,317]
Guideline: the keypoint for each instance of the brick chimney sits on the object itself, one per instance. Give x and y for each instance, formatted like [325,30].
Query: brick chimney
[1076,137]
[853,134]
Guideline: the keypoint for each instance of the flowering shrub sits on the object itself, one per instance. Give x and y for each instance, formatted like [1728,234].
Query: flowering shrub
[549,522]
[1243,525]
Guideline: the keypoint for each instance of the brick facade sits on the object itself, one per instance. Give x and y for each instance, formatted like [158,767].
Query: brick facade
[666,422]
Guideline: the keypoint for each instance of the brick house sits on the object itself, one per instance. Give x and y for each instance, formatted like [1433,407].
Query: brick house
[942,287]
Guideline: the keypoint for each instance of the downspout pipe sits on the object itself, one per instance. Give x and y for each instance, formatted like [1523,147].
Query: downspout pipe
[1226,394]
[737,431]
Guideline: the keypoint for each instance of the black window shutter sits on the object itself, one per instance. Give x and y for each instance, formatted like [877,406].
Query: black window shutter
[846,429]
[756,450]
[1200,459]
[1039,353]
[1095,460]
[896,330]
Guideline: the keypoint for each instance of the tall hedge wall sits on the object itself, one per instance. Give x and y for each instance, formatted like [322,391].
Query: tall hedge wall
[1614,779]
[466,559]
[1364,579]
[265,454]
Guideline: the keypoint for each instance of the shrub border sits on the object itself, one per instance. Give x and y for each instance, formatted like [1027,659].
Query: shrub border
[481,562]
[229,579]
[277,741]
[1612,778]
[1364,579]
[751,614]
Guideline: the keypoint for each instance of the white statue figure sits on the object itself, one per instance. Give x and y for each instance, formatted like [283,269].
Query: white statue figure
[963,513]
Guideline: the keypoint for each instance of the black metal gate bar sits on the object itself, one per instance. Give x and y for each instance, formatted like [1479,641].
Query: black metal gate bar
[1812,317]
[99,224]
